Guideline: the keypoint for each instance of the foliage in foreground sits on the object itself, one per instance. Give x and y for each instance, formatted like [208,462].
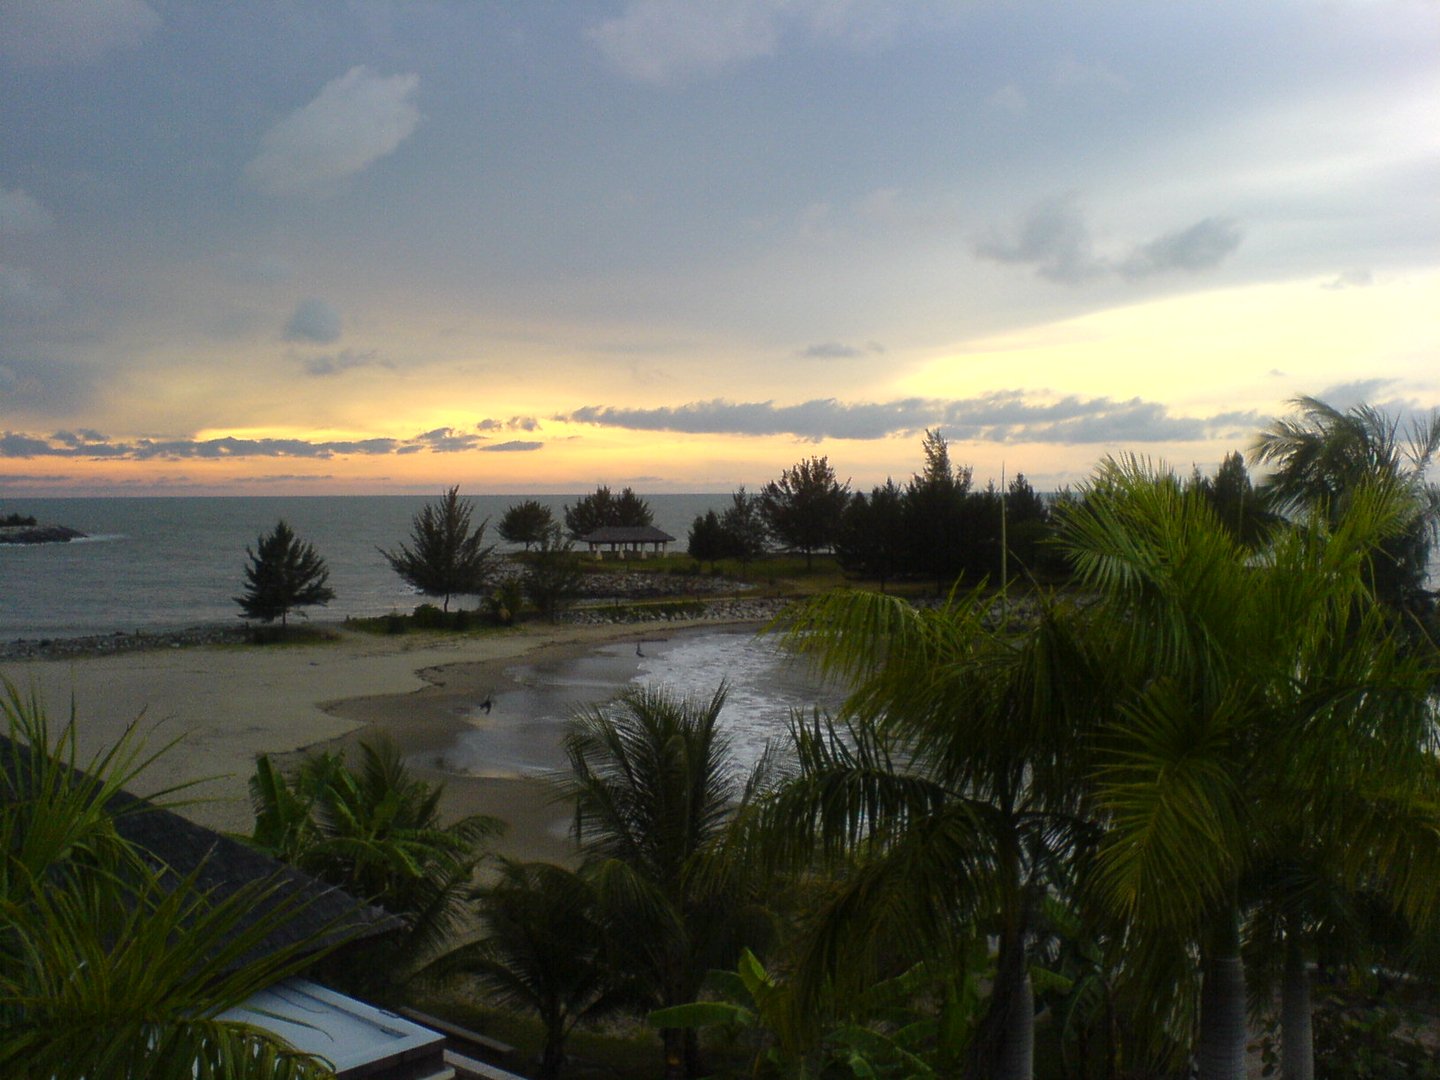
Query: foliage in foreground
[111,965]
[543,951]
[375,831]
[655,792]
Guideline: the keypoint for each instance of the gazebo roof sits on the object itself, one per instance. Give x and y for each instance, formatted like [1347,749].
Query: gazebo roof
[628,534]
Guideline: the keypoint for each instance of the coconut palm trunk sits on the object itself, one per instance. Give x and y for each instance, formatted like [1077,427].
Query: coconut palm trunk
[1297,1041]
[1005,1044]
[1222,1003]
[1005,1047]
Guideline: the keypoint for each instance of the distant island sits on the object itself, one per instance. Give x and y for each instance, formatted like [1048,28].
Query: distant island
[19,529]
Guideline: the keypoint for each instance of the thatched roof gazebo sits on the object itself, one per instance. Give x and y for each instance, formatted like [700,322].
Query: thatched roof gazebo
[627,541]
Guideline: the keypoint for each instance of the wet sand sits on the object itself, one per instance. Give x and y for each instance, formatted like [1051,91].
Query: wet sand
[223,706]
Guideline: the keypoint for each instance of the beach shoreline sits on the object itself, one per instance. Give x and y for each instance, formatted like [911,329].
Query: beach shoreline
[223,705]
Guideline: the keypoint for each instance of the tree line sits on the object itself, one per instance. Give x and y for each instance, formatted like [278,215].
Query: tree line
[445,556]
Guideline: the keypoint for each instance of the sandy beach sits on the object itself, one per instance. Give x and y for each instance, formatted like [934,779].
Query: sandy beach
[223,706]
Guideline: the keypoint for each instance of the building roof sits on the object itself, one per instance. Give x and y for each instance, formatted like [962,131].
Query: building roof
[627,534]
[323,915]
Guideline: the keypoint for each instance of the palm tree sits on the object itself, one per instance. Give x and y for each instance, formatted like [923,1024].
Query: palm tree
[377,833]
[1322,455]
[542,949]
[1263,690]
[112,965]
[655,790]
[955,784]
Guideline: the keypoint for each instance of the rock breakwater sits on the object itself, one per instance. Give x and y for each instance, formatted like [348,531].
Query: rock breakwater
[111,644]
[39,534]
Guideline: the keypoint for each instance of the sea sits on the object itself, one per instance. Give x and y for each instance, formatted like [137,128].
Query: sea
[168,563]
[158,564]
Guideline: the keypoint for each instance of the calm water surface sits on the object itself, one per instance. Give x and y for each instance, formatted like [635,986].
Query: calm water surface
[168,563]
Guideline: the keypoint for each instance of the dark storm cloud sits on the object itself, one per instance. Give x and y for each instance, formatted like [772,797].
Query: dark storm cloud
[1006,416]
[1055,239]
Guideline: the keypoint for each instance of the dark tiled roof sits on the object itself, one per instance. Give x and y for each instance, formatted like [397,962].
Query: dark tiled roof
[628,534]
[323,915]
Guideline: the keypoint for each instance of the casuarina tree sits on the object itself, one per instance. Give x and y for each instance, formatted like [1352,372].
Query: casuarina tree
[803,507]
[284,573]
[743,524]
[604,509]
[448,557]
[525,523]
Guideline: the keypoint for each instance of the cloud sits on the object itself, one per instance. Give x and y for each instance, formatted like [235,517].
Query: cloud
[20,213]
[661,41]
[1352,279]
[356,120]
[1202,246]
[25,296]
[1010,99]
[1003,416]
[670,41]
[1054,237]
[1071,73]
[835,350]
[260,269]
[345,360]
[443,441]
[515,423]
[314,321]
[49,386]
[41,33]
[515,445]
[91,445]
[80,437]
[1358,392]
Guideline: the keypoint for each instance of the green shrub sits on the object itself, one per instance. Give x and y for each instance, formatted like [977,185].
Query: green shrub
[1370,1040]
[428,617]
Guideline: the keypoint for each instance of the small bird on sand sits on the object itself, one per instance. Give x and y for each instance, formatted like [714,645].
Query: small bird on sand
[485,705]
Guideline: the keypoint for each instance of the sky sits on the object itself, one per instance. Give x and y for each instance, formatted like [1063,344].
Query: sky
[681,245]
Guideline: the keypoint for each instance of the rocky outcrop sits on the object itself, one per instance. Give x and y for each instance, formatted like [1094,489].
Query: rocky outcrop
[39,534]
